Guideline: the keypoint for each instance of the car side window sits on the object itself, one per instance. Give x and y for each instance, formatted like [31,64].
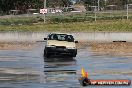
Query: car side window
[50,37]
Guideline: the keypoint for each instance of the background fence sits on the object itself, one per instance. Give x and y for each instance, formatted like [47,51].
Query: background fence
[87,16]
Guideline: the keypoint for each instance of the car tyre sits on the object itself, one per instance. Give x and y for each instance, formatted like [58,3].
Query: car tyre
[74,54]
[47,55]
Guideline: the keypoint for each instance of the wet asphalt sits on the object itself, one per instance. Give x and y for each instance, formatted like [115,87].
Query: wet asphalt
[29,69]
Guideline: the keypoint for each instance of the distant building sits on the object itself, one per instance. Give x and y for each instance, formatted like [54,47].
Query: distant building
[54,10]
[79,7]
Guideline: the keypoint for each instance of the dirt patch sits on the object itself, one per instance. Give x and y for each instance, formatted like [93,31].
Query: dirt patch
[17,45]
[82,44]
[108,48]
[115,48]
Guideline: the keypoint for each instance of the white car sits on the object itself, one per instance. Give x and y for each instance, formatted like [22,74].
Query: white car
[60,44]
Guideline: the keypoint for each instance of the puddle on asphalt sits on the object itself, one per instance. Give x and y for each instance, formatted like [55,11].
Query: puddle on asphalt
[29,69]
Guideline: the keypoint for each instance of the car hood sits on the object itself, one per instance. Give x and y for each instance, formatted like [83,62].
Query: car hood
[61,43]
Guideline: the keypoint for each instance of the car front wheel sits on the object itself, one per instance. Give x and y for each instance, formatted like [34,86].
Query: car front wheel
[46,54]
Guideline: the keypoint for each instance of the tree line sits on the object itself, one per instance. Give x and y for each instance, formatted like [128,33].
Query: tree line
[23,5]
[120,4]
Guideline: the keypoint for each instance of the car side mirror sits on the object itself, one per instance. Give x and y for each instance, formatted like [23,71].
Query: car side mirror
[45,38]
[76,41]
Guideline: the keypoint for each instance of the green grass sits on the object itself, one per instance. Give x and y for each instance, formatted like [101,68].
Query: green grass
[69,23]
[18,20]
[99,26]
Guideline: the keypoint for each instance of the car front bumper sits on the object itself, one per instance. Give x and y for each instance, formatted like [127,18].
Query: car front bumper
[61,51]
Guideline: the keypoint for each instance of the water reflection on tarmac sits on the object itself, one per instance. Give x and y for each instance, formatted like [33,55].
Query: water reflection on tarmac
[60,71]
[29,69]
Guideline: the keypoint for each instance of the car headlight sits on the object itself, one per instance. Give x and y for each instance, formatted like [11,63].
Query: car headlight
[70,47]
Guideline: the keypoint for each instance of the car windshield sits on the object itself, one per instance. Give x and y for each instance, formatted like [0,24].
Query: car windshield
[61,37]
